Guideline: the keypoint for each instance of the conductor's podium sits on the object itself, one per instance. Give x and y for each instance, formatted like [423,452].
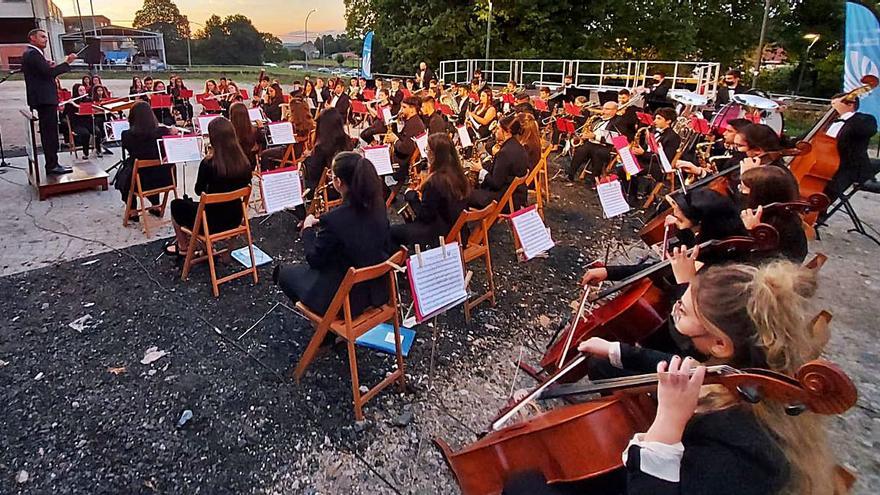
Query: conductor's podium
[84,176]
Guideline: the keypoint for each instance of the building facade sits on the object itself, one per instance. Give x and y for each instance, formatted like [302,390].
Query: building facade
[17,18]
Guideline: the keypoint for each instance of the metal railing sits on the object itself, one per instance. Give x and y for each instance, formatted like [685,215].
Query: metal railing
[700,77]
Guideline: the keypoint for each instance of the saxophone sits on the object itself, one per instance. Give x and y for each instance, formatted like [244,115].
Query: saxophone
[589,124]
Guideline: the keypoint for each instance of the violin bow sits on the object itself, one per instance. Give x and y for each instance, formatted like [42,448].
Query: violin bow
[571,328]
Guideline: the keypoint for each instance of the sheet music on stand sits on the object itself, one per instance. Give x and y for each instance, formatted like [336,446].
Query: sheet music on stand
[180,149]
[380,157]
[436,278]
[113,129]
[533,235]
[464,137]
[281,133]
[386,115]
[203,122]
[256,114]
[660,152]
[422,143]
[621,144]
[281,189]
[611,197]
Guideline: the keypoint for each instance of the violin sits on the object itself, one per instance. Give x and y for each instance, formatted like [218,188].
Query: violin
[585,440]
[641,307]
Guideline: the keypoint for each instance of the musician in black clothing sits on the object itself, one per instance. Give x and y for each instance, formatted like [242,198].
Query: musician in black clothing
[340,100]
[656,96]
[434,120]
[354,234]
[395,95]
[377,124]
[595,150]
[423,76]
[853,131]
[441,199]
[225,169]
[463,103]
[272,102]
[330,139]
[405,144]
[163,115]
[510,162]
[629,120]
[523,104]
[42,96]
[667,139]
[731,87]
[139,143]
[724,153]
[81,125]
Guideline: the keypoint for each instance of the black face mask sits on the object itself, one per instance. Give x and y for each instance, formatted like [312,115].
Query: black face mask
[685,344]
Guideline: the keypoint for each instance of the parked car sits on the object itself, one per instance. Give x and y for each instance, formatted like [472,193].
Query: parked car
[269,64]
[295,66]
[324,70]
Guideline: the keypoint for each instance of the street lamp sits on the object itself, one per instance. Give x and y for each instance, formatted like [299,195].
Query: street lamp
[812,38]
[488,29]
[189,59]
[305,48]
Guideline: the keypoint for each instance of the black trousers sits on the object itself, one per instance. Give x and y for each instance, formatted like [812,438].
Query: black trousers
[595,156]
[48,115]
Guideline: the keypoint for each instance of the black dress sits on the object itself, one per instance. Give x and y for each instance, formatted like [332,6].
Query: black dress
[435,213]
[221,216]
[511,162]
[142,146]
[345,237]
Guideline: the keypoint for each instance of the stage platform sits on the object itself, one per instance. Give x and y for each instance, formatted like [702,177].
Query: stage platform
[86,175]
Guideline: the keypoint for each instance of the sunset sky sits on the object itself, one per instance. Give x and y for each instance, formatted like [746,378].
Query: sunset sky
[285,22]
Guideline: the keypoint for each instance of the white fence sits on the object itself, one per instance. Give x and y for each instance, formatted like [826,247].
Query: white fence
[701,77]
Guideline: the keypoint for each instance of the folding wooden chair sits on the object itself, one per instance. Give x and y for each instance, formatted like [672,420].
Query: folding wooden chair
[201,233]
[544,175]
[349,328]
[288,159]
[71,139]
[477,247]
[506,201]
[136,190]
[535,178]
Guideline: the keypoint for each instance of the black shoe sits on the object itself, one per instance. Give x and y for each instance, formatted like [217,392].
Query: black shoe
[58,170]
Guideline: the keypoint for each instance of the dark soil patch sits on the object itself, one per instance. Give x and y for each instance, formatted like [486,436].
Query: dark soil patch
[75,427]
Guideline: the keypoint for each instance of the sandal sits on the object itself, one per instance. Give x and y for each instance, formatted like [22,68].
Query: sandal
[171,249]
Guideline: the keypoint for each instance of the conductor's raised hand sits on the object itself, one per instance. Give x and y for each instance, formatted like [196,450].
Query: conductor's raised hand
[70,58]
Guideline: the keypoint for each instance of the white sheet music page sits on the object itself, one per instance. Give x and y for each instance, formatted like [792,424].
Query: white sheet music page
[281,133]
[203,121]
[182,149]
[464,137]
[256,114]
[531,231]
[629,161]
[281,189]
[611,197]
[386,114]
[437,282]
[116,127]
[380,157]
[422,142]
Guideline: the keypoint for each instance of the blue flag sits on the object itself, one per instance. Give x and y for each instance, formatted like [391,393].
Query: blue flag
[367,59]
[862,53]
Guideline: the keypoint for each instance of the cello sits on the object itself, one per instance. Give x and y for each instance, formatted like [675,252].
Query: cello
[585,440]
[641,308]
[814,169]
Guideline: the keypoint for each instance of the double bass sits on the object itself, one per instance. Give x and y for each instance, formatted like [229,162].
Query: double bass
[585,440]
[815,169]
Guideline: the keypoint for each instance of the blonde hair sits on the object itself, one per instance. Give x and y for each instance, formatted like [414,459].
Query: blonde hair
[765,312]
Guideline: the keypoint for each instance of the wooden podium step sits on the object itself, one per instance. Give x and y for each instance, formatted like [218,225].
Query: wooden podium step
[85,175]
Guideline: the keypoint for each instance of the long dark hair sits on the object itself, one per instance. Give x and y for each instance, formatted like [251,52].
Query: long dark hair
[244,130]
[228,158]
[360,178]
[141,119]
[301,117]
[279,94]
[762,137]
[445,166]
[717,215]
[769,184]
[330,132]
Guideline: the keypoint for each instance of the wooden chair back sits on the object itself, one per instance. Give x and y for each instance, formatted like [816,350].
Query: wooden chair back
[506,200]
[136,190]
[477,247]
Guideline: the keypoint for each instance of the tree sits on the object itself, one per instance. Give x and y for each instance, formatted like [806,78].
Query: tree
[340,59]
[275,51]
[231,41]
[163,16]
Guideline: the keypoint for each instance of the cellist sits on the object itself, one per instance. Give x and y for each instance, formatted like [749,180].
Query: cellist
[703,440]
[853,130]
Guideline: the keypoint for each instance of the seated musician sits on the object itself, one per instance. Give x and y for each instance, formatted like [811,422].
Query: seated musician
[510,162]
[272,101]
[761,145]
[82,126]
[443,196]
[97,81]
[404,139]
[340,100]
[629,120]
[182,105]
[853,131]
[530,138]
[354,234]
[724,154]
[148,82]
[523,104]
[139,143]
[225,169]
[259,89]
[303,124]
[595,149]
[395,95]
[377,121]
[100,93]
[330,139]
[483,114]
[731,87]
[249,137]
[544,94]
[656,96]
[163,115]
[434,120]
[222,85]
[463,103]
[211,88]
[667,139]
[762,186]
[232,95]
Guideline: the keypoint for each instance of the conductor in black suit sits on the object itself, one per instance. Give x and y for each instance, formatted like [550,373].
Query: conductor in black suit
[42,96]
[853,130]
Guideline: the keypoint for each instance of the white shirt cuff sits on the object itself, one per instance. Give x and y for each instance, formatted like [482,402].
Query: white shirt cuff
[659,460]
[483,174]
[614,355]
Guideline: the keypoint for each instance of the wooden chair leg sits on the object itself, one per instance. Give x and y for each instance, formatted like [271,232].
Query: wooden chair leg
[127,213]
[253,258]
[398,347]
[190,251]
[488,258]
[355,383]
[654,192]
[309,355]
[209,249]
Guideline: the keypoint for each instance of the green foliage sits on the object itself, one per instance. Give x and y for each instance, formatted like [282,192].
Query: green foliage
[340,58]
[235,41]
[156,12]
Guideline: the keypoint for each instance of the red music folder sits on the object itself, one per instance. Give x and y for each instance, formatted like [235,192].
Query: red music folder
[540,104]
[446,110]
[565,125]
[186,93]
[370,94]
[358,106]
[572,109]
[160,101]
[244,93]
[645,118]
[85,108]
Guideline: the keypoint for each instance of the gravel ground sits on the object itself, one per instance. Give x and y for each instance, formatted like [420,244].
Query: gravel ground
[82,414]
